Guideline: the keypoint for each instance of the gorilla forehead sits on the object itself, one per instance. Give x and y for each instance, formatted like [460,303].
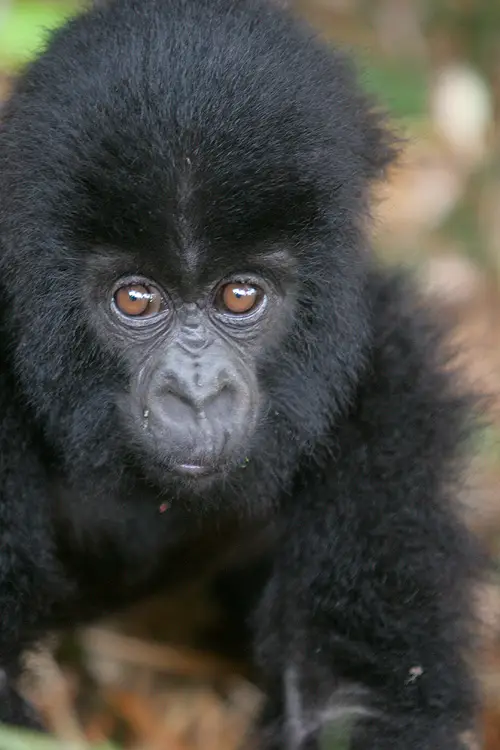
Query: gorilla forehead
[172,132]
[196,201]
[216,213]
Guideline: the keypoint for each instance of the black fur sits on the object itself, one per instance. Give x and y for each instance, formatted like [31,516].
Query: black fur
[356,459]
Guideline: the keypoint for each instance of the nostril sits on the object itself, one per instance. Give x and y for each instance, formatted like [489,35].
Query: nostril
[220,406]
[177,408]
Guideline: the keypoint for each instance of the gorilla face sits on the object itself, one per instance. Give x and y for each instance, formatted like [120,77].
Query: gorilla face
[182,232]
[193,398]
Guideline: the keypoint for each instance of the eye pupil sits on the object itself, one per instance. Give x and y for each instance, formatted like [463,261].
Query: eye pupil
[137,300]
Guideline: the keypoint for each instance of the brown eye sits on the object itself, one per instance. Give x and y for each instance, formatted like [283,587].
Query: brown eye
[137,300]
[239,299]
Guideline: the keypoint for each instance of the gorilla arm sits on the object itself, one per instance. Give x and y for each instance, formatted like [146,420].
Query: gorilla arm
[370,585]
[27,563]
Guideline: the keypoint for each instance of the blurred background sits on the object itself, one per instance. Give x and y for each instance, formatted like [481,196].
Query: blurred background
[152,680]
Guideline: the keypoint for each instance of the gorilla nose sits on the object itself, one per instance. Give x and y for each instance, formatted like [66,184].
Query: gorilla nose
[191,398]
[197,406]
[193,404]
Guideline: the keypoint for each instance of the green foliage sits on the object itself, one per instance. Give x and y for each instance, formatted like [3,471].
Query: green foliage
[336,736]
[487,444]
[24,27]
[15,739]
[476,24]
[402,87]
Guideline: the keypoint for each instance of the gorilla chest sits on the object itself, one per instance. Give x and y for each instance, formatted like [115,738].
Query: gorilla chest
[120,548]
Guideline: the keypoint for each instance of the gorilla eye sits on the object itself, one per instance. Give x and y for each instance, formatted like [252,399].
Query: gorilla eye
[239,299]
[138,300]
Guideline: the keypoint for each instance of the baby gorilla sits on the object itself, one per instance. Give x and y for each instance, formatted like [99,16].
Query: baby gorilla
[198,349]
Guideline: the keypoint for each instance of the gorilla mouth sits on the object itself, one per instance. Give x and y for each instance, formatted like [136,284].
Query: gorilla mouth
[195,470]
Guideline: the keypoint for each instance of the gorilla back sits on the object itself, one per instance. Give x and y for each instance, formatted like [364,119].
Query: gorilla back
[192,320]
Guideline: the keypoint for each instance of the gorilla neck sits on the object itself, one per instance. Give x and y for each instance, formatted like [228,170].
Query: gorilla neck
[143,544]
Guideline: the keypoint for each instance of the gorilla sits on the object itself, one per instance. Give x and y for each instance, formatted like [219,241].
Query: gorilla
[200,355]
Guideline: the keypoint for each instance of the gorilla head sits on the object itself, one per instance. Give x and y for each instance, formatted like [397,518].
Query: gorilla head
[185,200]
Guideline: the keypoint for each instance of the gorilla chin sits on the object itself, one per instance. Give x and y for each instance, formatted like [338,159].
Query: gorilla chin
[202,457]
[190,469]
